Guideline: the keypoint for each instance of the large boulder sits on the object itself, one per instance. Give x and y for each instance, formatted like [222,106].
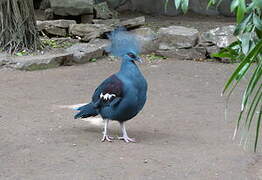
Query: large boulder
[195,53]
[45,61]
[84,52]
[128,23]
[103,12]
[72,7]
[221,36]
[55,27]
[88,32]
[108,22]
[134,22]
[177,37]
[147,38]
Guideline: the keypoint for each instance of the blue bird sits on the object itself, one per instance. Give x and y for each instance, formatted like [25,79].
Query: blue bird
[121,96]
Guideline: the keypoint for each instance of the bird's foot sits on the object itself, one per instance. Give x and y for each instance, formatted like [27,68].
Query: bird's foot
[127,139]
[107,138]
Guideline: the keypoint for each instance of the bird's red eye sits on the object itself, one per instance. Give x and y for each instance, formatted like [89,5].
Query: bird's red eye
[131,55]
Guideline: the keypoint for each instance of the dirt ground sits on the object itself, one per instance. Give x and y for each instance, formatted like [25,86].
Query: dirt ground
[181,133]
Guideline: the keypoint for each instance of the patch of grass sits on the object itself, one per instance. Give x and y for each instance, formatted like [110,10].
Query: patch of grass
[56,44]
[22,53]
[93,60]
[153,57]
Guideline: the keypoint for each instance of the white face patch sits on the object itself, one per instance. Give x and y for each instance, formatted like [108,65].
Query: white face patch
[107,96]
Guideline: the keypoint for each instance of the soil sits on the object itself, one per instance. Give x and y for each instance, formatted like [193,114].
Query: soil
[181,133]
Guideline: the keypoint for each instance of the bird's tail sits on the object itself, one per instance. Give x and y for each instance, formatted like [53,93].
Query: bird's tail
[86,111]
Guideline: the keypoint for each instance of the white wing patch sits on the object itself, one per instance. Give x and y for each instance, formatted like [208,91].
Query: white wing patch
[107,96]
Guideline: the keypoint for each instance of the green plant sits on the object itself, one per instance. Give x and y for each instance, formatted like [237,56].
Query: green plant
[183,4]
[248,51]
[22,53]
[92,60]
[55,43]
[153,57]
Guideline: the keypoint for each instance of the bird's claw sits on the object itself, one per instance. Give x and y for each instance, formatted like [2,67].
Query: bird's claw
[127,139]
[107,138]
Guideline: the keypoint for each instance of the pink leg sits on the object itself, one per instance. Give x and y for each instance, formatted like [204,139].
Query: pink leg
[125,136]
[106,137]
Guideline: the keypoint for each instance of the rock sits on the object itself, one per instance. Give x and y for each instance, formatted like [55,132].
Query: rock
[44,4]
[135,22]
[224,8]
[148,39]
[84,52]
[89,31]
[61,23]
[129,23]
[200,7]
[175,37]
[55,27]
[195,53]
[55,31]
[221,36]
[45,61]
[108,22]
[49,14]
[211,50]
[87,18]
[72,8]
[5,59]
[103,12]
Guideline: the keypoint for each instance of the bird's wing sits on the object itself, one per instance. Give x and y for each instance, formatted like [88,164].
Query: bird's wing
[109,93]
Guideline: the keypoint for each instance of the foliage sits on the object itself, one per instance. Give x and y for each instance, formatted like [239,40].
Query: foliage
[55,43]
[183,4]
[92,60]
[248,51]
[153,57]
[22,53]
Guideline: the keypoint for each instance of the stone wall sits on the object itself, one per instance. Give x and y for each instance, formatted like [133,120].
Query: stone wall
[157,7]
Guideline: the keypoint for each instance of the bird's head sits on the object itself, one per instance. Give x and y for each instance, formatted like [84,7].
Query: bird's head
[124,45]
[132,57]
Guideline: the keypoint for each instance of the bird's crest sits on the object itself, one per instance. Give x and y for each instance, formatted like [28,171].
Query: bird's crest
[122,43]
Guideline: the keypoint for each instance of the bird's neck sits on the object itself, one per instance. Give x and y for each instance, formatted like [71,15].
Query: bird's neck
[129,68]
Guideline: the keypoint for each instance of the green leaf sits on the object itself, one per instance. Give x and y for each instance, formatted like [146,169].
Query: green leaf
[19,54]
[211,3]
[258,127]
[240,28]
[241,9]
[247,60]
[165,5]
[177,3]
[184,6]
[257,21]
[245,42]
[234,5]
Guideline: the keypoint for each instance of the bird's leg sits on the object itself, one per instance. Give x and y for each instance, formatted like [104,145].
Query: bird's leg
[106,137]
[124,133]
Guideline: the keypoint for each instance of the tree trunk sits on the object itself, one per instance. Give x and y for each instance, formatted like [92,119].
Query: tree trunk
[18,29]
